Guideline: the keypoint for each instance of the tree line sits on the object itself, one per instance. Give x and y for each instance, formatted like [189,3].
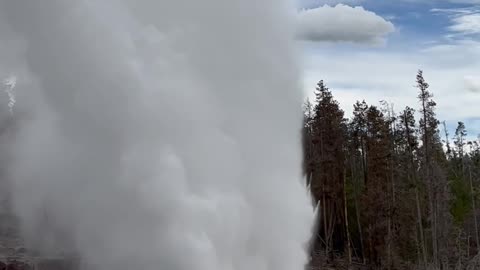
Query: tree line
[393,190]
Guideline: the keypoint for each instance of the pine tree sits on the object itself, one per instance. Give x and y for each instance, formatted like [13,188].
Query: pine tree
[460,143]
[463,181]
[407,142]
[390,193]
[308,163]
[376,196]
[358,165]
[328,174]
[432,163]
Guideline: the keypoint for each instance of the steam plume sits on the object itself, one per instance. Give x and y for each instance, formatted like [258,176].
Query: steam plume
[158,134]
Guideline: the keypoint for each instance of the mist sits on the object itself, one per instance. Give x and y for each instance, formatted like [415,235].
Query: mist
[156,134]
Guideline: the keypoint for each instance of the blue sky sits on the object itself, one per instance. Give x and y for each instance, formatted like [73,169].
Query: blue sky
[372,49]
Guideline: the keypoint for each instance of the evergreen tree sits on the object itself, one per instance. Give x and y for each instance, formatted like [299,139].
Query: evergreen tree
[376,196]
[411,190]
[432,163]
[390,194]
[328,174]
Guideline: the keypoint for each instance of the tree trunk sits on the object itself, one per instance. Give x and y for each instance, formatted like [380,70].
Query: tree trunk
[347,229]
[417,196]
[389,244]
[420,225]
[357,210]
[474,209]
[392,202]
[325,228]
[419,245]
[434,228]
[429,180]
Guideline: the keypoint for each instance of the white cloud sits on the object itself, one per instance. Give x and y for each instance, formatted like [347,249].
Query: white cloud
[472,83]
[464,21]
[375,76]
[465,1]
[466,24]
[443,1]
[329,2]
[342,23]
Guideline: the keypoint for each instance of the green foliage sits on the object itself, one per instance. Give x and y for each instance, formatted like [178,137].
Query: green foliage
[461,203]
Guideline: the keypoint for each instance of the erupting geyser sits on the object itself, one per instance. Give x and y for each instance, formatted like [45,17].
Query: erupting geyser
[157,134]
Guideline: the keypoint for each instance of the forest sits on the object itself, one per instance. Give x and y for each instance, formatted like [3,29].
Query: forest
[392,189]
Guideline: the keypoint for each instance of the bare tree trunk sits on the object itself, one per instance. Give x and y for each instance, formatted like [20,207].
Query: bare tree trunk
[420,225]
[433,214]
[364,162]
[360,231]
[474,209]
[468,246]
[434,226]
[419,245]
[460,250]
[325,228]
[390,223]
[389,244]
[347,229]
[357,210]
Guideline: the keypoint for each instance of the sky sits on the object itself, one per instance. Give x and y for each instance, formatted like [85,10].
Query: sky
[371,49]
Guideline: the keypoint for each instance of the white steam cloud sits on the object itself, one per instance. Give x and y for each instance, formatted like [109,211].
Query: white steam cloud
[10,84]
[158,134]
